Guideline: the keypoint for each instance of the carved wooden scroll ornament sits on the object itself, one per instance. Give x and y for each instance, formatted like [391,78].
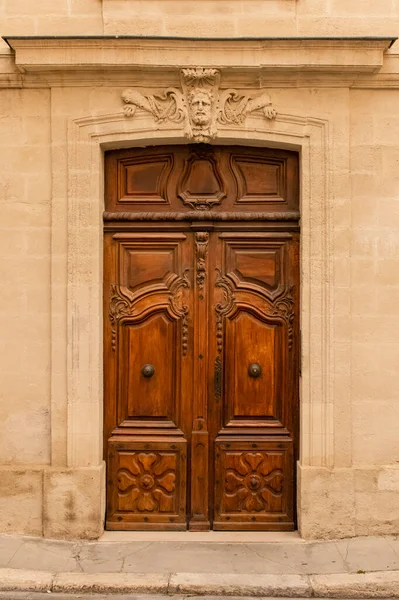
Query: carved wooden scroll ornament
[122,305]
[201,248]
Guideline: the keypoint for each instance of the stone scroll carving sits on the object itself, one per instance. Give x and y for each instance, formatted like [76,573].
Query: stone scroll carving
[199,106]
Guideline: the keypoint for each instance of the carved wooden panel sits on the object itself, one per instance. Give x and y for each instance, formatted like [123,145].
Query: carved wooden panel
[144,343]
[255,325]
[147,304]
[259,179]
[148,258]
[147,264]
[144,179]
[146,483]
[258,261]
[254,484]
[201,185]
[231,180]
[250,339]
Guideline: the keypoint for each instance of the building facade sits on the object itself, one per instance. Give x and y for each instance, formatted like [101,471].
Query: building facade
[163,163]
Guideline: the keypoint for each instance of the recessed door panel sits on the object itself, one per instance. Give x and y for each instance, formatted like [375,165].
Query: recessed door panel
[147,266]
[252,347]
[260,179]
[142,181]
[150,379]
[147,259]
[146,483]
[257,260]
[258,266]
[254,484]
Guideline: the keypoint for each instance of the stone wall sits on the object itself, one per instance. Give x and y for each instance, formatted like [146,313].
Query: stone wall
[345,124]
[222,18]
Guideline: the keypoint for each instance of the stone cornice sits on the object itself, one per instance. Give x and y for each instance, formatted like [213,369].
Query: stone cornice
[41,55]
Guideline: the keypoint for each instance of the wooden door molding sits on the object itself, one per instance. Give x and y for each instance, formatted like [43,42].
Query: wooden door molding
[201,250]
[123,304]
[199,513]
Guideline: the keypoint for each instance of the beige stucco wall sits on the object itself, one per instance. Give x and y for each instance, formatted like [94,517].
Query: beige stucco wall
[52,476]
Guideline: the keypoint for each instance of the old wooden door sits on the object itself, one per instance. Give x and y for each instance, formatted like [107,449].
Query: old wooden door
[201,338]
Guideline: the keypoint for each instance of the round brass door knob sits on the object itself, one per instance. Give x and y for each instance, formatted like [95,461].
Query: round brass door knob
[148,371]
[254,370]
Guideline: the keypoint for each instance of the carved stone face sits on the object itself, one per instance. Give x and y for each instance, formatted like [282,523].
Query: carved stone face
[200,102]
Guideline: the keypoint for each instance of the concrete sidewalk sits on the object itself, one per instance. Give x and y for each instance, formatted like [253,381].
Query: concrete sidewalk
[222,564]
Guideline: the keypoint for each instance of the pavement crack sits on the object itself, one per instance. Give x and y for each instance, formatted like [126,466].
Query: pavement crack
[168,584]
[132,553]
[75,554]
[276,562]
[344,558]
[122,564]
[392,547]
[12,557]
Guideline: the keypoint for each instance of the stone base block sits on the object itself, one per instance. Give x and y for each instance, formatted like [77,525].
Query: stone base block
[344,502]
[377,501]
[74,503]
[56,503]
[21,500]
[70,503]
[326,503]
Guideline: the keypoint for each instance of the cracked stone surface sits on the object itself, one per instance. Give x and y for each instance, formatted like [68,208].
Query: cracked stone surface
[40,555]
[369,555]
[343,556]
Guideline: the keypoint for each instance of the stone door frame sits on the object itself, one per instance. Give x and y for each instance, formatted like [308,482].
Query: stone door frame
[77,362]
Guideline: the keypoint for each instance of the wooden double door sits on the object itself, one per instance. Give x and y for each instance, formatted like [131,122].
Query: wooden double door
[201,338]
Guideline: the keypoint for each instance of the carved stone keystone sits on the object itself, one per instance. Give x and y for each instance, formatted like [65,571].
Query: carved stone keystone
[199,106]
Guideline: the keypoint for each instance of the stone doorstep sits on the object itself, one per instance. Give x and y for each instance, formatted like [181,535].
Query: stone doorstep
[381,584]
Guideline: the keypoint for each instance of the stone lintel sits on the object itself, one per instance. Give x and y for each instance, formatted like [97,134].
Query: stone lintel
[284,55]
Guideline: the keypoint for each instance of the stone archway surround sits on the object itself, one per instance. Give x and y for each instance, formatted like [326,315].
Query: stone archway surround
[87,139]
